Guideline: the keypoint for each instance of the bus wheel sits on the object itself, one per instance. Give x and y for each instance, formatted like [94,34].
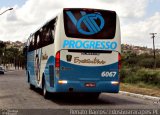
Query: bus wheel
[30,85]
[46,94]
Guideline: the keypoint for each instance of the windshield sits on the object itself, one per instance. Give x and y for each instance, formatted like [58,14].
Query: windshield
[89,23]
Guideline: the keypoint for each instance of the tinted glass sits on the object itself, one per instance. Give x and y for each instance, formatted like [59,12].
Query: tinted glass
[87,23]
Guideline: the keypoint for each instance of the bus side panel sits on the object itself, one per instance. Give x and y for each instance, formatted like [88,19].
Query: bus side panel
[30,67]
[47,67]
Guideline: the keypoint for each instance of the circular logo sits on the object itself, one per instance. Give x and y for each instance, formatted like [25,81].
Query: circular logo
[90,22]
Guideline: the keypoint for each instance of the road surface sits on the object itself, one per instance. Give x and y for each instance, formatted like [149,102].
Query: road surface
[15,94]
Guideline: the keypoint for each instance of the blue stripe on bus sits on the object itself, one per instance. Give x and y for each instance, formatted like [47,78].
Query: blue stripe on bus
[78,72]
[50,61]
[77,76]
[30,67]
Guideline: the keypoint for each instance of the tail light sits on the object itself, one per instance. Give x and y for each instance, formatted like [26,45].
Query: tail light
[119,65]
[119,61]
[57,60]
[57,63]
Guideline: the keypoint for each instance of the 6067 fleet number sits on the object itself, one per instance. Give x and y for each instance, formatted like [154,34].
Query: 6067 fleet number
[108,74]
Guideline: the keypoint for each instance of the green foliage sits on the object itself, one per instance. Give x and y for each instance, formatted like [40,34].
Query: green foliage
[123,73]
[138,69]
[2,44]
[144,76]
[144,60]
[11,55]
[147,62]
[158,62]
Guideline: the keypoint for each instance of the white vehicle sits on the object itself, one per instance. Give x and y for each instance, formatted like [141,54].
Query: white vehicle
[77,51]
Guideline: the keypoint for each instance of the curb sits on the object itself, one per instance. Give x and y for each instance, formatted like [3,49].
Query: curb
[140,96]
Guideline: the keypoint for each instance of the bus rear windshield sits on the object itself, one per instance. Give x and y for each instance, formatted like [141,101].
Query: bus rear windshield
[89,23]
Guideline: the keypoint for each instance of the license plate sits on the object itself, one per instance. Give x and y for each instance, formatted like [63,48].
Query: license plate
[90,84]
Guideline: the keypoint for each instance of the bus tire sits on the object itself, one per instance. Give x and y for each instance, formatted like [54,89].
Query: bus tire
[30,85]
[28,78]
[46,94]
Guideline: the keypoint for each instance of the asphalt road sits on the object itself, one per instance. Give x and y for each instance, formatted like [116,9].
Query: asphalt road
[15,94]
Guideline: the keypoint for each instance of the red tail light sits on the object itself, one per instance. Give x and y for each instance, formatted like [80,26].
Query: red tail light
[57,61]
[119,61]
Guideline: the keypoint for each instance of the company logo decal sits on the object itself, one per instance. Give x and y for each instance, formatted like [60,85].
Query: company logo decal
[89,44]
[45,56]
[69,58]
[90,22]
[88,61]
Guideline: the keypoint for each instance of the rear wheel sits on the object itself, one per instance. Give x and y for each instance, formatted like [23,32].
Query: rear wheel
[30,85]
[46,94]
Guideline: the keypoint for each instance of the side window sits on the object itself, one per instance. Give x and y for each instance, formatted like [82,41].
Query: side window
[28,43]
[35,42]
[52,26]
[50,37]
[38,41]
[46,36]
[40,38]
[31,45]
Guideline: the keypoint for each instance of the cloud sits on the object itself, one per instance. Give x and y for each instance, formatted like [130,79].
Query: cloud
[25,19]
[127,8]
[138,33]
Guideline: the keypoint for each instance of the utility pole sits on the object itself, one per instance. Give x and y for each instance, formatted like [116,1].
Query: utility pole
[154,52]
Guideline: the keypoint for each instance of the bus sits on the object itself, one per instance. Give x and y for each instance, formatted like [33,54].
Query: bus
[78,50]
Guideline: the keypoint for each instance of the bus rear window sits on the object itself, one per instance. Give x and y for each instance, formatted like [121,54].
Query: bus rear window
[89,23]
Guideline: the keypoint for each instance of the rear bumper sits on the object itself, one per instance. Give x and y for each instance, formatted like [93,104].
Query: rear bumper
[79,86]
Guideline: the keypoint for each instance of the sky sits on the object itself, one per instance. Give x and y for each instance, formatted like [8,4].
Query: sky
[138,18]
